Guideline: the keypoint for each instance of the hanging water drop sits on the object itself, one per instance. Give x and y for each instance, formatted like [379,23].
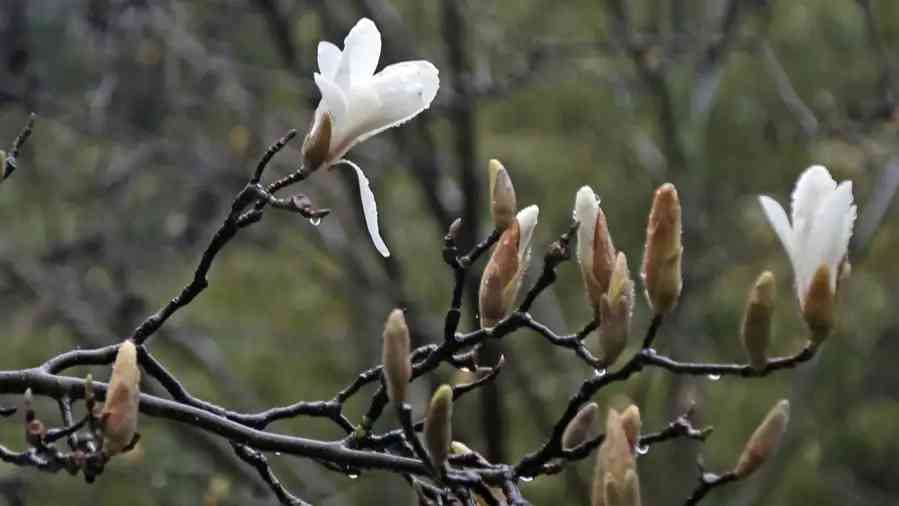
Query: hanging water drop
[599,373]
[642,449]
[714,377]
[527,479]
[315,221]
[352,476]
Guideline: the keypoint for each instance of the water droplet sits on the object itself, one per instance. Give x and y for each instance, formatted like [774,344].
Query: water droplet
[642,449]
[527,479]
[714,377]
[277,454]
[352,476]
[316,221]
[464,369]
[599,373]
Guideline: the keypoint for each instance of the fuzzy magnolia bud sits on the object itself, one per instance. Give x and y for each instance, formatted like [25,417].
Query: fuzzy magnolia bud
[623,493]
[503,204]
[397,364]
[439,425]
[614,458]
[818,309]
[615,311]
[663,251]
[756,332]
[764,440]
[581,427]
[119,416]
[317,142]
[502,276]
[631,423]
[595,251]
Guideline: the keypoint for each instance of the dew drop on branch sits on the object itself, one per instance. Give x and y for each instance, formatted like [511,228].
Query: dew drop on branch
[642,449]
[599,373]
[315,221]
[352,476]
[527,479]
[714,377]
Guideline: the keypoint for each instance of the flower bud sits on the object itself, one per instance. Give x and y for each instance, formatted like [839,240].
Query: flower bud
[615,311]
[397,364]
[764,440]
[119,416]
[625,492]
[818,309]
[663,251]
[756,332]
[503,204]
[317,143]
[631,423]
[501,280]
[613,459]
[581,427]
[438,426]
[595,251]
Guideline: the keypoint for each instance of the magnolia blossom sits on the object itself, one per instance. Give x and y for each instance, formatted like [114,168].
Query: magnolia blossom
[358,103]
[823,214]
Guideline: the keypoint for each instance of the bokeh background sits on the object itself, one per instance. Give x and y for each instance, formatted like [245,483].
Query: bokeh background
[153,113]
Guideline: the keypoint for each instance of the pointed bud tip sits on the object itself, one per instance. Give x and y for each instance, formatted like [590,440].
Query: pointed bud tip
[396,359]
[581,427]
[503,202]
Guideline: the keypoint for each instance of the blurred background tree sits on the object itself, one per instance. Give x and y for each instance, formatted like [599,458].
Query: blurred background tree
[153,113]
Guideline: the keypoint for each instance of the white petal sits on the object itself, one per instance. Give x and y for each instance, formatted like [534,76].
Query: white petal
[586,207]
[333,101]
[396,94]
[328,59]
[813,186]
[361,51]
[831,231]
[777,217]
[527,221]
[369,209]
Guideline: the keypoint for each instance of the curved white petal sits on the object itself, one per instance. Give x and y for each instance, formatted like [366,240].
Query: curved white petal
[328,59]
[777,217]
[404,90]
[527,221]
[831,231]
[586,207]
[369,209]
[333,100]
[812,188]
[361,51]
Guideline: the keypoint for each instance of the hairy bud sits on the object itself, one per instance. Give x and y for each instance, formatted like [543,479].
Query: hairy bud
[119,416]
[502,276]
[624,492]
[615,311]
[764,440]
[503,204]
[663,251]
[756,332]
[595,251]
[613,459]
[631,423]
[397,364]
[439,425]
[581,427]
[317,143]
[818,309]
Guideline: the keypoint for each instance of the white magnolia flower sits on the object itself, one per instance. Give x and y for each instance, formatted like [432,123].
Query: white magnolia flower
[822,220]
[361,103]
